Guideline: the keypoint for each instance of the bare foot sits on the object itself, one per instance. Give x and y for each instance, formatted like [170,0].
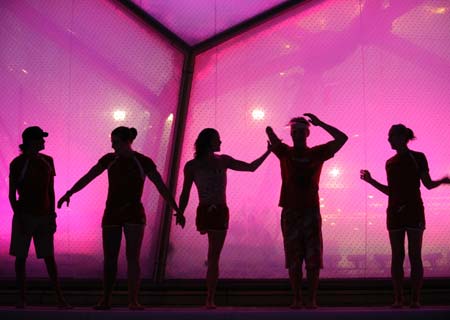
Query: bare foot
[296,305]
[136,306]
[398,304]
[210,306]
[312,305]
[63,304]
[102,304]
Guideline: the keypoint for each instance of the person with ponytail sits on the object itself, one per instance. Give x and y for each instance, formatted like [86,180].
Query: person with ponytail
[405,212]
[124,212]
[208,171]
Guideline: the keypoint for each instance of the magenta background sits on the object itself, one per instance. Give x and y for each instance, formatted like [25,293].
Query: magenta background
[359,65]
[67,66]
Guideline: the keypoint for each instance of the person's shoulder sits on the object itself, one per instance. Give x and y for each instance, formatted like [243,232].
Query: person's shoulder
[46,157]
[20,158]
[144,160]
[141,156]
[418,154]
[107,158]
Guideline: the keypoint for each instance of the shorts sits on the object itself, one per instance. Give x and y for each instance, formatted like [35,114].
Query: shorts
[39,228]
[302,237]
[214,217]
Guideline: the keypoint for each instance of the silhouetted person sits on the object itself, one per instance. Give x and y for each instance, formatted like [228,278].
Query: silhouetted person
[31,176]
[124,211]
[405,212]
[301,223]
[208,171]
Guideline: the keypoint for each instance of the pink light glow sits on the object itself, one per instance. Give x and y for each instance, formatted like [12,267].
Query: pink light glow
[70,66]
[359,65]
[197,20]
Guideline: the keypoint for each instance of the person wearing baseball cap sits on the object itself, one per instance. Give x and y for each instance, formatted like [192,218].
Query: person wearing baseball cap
[301,223]
[31,176]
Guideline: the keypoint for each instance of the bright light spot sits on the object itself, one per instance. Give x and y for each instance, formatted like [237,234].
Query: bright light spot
[119,115]
[332,224]
[355,135]
[322,206]
[287,46]
[322,199]
[355,229]
[258,114]
[339,210]
[282,73]
[335,172]
[370,223]
[440,10]
[24,71]
[170,117]
[370,196]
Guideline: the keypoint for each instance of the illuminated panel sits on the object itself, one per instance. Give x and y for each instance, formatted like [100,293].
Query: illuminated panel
[360,66]
[79,69]
[197,20]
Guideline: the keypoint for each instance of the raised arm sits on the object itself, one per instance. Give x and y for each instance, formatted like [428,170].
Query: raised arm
[155,177]
[340,138]
[239,165]
[365,175]
[93,173]
[431,184]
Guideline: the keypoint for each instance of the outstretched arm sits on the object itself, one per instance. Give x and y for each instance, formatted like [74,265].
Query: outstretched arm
[239,165]
[155,177]
[93,173]
[340,138]
[431,184]
[365,175]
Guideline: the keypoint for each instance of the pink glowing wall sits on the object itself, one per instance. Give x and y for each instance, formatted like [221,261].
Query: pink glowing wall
[197,20]
[79,69]
[359,65]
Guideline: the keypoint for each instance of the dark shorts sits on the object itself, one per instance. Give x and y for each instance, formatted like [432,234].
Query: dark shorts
[212,218]
[39,228]
[302,237]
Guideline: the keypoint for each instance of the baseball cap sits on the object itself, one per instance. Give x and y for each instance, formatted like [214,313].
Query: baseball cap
[33,133]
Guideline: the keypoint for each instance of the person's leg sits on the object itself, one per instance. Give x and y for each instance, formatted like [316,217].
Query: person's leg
[415,258]
[52,271]
[44,244]
[295,278]
[112,236]
[313,283]
[216,239]
[397,240]
[20,268]
[134,235]
[19,247]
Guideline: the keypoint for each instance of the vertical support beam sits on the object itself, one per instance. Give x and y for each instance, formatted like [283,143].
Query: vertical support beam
[174,165]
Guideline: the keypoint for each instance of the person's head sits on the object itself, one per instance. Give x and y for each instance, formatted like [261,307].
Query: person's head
[399,136]
[33,139]
[299,130]
[122,138]
[207,141]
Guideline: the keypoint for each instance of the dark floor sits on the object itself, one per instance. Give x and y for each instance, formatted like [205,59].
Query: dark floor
[228,313]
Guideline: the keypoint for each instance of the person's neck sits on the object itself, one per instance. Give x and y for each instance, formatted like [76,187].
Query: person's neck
[31,152]
[126,153]
[300,146]
[402,150]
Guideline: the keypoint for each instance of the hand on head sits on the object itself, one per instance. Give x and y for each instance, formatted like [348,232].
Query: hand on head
[314,120]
